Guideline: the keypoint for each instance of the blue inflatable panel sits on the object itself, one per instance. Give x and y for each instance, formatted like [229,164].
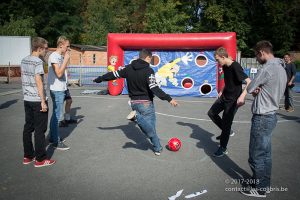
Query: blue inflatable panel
[182,73]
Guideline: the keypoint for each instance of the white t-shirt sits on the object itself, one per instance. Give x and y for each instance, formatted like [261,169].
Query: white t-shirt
[30,66]
[55,83]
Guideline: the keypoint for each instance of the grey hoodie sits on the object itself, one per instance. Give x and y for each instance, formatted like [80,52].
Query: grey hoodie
[271,78]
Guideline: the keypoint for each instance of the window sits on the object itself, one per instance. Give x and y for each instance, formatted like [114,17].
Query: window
[94,58]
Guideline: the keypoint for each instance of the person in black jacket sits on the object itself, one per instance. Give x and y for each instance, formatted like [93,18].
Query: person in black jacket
[142,87]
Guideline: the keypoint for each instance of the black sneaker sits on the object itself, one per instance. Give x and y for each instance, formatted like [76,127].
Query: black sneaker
[60,146]
[220,152]
[254,193]
[132,116]
[71,121]
[63,123]
[61,140]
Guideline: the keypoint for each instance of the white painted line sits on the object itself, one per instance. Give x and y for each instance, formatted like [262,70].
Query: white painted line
[10,92]
[208,120]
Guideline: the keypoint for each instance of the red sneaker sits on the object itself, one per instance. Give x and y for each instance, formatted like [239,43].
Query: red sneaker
[27,161]
[44,163]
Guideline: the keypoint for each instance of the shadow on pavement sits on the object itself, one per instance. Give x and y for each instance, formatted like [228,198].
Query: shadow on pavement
[209,146]
[294,118]
[8,103]
[138,139]
[65,132]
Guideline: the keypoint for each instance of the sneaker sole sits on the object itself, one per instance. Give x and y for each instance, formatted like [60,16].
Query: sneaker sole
[131,116]
[61,141]
[27,163]
[253,195]
[218,156]
[44,165]
[62,149]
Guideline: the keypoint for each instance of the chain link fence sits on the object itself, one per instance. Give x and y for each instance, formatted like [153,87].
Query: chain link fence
[84,75]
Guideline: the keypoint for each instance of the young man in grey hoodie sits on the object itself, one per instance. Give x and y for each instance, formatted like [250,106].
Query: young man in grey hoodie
[267,88]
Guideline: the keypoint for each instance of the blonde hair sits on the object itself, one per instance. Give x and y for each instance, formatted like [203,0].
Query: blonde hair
[61,40]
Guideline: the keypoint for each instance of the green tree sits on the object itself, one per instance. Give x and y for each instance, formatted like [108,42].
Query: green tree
[51,18]
[273,20]
[99,19]
[224,16]
[130,16]
[165,17]
[18,27]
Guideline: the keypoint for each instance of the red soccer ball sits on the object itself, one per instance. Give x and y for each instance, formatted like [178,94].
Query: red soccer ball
[174,144]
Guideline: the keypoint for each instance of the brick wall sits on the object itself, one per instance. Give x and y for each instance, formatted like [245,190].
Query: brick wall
[85,58]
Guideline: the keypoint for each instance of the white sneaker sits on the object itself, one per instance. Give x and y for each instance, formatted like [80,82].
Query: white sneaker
[132,115]
[232,133]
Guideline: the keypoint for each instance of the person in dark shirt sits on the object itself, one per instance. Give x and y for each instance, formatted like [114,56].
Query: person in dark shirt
[290,69]
[142,87]
[229,98]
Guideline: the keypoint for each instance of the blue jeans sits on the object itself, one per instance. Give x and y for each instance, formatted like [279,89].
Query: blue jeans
[260,149]
[146,120]
[58,103]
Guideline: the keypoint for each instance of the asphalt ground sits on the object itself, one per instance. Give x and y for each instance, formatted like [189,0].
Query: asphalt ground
[111,159]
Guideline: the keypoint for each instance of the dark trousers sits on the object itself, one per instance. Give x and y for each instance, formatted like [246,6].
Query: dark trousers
[229,109]
[35,121]
[288,98]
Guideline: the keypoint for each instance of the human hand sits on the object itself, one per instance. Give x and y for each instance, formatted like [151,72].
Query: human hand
[256,91]
[67,55]
[173,103]
[44,106]
[98,79]
[240,101]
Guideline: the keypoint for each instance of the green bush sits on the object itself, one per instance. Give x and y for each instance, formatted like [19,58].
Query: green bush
[297,63]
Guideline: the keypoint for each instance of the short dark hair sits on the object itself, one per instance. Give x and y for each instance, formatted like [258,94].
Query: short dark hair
[263,45]
[38,42]
[221,52]
[287,54]
[144,53]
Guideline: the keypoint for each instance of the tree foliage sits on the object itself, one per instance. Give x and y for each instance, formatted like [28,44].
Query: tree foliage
[18,27]
[89,21]
[164,17]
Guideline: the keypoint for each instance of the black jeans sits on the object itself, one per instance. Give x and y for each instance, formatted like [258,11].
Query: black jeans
[37,122]
[229,108]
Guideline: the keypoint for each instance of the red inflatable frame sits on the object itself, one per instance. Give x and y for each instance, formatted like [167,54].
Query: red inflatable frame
[118,43]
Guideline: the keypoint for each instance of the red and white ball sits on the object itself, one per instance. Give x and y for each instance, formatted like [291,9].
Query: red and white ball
[174,144]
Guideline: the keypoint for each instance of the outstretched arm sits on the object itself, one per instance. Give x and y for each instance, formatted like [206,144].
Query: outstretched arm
[121,73]
[159,92]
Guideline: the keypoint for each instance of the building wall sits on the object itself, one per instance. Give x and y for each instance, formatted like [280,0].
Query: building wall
[295,55]
[85,58]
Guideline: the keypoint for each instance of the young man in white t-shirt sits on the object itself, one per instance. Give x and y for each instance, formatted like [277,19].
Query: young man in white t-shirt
[57,78]
[35,104]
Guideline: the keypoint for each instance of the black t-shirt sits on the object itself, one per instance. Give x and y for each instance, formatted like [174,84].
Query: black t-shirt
[290,71]
[233,77]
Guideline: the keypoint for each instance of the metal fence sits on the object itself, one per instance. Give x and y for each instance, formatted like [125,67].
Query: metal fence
[86,74]
[248,63]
